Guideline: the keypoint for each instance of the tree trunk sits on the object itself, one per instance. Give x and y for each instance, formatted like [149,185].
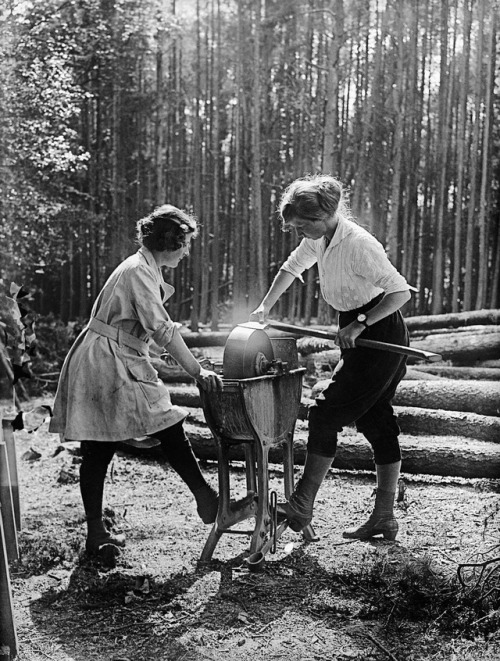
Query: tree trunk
[453,320]
[393,230]
[461,373]
[216,220]
[482,397]
[442,165]
[474,157]
[412,419]
[484,261]
[258,283]
[447,455]
[461,160]
[331,121]
[462,348]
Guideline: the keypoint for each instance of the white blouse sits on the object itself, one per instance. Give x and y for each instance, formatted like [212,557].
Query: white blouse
[353,268]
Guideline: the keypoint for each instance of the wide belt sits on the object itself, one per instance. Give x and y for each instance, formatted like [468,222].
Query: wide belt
[118,335]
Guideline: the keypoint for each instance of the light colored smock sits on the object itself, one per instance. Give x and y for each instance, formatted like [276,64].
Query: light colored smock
[108,389]
[353,268]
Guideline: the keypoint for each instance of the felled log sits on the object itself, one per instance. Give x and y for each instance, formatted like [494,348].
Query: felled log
[454,320]
[481,397]
[447,456]
[464,373]
[205,339]
[413,420]
[437,422]
[476,330]
[417,375]
[461,348]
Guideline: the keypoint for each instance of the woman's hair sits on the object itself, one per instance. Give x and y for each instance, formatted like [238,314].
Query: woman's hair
[165,228]
[313,197]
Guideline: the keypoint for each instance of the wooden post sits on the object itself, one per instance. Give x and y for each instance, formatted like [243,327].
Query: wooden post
[7,505]
[8,437]
[8,633]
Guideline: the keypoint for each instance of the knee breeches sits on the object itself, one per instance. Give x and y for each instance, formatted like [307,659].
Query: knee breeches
[360,392]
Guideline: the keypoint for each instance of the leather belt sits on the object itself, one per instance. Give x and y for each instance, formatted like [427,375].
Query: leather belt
[118,335]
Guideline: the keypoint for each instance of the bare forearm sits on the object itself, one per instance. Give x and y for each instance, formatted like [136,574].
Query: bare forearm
[177,349]
[389,304]
[346,337]
[280,284]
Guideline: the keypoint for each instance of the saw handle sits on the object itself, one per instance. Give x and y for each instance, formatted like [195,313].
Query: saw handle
[360,342]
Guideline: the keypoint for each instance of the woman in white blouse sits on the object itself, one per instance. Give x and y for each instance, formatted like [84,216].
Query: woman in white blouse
[358,280]
[109,390]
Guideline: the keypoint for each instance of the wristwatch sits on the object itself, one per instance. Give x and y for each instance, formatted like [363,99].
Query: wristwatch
[362,319]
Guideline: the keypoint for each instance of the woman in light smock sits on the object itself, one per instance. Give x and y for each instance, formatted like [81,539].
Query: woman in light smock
[109,390]
[358,280]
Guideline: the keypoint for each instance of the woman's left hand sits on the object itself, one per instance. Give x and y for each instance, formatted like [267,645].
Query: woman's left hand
[209,381]
[347,336]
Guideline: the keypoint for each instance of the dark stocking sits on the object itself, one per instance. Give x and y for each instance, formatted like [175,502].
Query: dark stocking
[179,454]
[97,456]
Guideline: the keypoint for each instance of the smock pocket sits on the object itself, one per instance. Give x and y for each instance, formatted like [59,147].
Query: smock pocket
[145,376]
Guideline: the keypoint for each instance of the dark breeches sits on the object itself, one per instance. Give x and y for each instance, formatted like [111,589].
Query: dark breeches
[362,387]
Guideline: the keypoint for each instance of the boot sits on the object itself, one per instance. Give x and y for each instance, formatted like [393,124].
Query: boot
[207,503]
[98,536]
[382,520]
[298,510]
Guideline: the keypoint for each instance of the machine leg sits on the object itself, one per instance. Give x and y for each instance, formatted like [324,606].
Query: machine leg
[211,543]
[224,479]
[250,467]
[226,518]
[262,519]
[288,465]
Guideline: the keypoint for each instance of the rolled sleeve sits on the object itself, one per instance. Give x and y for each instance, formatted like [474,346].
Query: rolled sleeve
[147,301]
[372,263]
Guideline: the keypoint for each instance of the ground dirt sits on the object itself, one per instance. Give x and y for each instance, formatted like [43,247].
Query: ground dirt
[328,600]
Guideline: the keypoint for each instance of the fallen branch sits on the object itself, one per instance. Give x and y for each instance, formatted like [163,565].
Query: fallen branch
[380,646]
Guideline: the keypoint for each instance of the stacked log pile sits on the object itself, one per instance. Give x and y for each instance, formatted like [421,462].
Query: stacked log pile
[449,412]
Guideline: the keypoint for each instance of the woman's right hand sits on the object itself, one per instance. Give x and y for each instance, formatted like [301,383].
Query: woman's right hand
[209,381]
[259,314]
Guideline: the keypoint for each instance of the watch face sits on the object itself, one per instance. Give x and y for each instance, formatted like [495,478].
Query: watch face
[361,317]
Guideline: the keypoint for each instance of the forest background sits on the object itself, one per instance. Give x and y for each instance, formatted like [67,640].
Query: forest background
[112,107]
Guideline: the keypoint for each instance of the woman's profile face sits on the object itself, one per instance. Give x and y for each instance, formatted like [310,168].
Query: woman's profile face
[172,258]
[306,228]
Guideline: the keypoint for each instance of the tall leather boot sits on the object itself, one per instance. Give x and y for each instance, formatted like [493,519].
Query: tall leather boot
[298,510]
[382,520]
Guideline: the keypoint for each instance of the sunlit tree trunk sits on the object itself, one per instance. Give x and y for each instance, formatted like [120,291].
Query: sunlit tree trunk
[461,160]
[470,249]
[485,261]
[393,241]
[258,278]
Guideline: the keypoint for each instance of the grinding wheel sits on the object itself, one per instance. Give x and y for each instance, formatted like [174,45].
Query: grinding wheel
[247,353]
